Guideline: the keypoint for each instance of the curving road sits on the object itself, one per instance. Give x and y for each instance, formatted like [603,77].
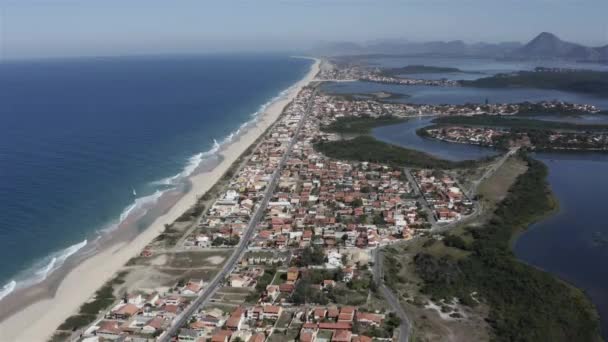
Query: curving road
[391,298]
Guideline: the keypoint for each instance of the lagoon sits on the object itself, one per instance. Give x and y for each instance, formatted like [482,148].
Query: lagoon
[567,244]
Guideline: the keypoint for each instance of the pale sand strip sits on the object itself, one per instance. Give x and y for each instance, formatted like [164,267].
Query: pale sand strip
[38,321]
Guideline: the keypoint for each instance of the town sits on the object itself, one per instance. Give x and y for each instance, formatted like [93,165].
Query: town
[292,235]
[350,72]
[308,226]
[533,139]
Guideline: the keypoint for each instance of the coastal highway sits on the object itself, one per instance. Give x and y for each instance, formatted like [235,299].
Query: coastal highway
[391,298]
[212,287]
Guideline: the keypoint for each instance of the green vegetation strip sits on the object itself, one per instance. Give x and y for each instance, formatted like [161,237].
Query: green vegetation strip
[368,149]
[419,69]
[512,122]
[581,81]
[526,304]
[104,297]
[360,124]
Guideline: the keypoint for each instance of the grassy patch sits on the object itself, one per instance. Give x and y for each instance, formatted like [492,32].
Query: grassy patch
[580,81]
[360,124]
[88,312]
[419,69]
[526,304]
[368,149]
[493,190]
[514,122]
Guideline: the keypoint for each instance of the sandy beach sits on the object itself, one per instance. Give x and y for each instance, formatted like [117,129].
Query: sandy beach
[38,321]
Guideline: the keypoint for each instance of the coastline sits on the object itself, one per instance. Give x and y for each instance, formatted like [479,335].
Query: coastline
[65,291]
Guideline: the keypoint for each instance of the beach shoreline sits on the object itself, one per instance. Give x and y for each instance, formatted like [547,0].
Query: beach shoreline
[38,317]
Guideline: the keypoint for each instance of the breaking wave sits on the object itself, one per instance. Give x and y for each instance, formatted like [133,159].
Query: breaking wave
[139,204]
[7,289]
[41,270]
[195,161]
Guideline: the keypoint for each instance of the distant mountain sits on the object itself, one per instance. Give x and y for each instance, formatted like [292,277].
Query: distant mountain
[547,45]
[456,48]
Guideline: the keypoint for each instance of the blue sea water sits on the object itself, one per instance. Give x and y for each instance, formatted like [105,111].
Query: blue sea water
[572,242]
[82,139]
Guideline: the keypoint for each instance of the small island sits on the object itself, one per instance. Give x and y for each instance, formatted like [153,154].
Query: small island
[574,80]
[505,133]
[420,69]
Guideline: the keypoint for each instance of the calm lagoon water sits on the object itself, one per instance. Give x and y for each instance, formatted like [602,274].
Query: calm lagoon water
[462,95]
[404,134]
[474,68]
[566,244]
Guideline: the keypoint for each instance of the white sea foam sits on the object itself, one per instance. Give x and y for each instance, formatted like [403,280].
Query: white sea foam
[195,161]
[7,289]
[40,271]
[139,203]
[54,261]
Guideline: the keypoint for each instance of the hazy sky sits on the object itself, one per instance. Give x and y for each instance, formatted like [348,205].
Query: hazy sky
[42,28]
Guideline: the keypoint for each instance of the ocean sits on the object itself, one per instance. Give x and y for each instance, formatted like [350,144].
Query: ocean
[85,142]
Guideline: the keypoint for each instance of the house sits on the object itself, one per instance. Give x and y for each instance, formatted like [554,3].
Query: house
[209,321]
[136,299]
[241,335]
[347,314]
[256,313]
[342,336]
[308,335]
[273,291]
[272,312]
[287,288]
[332,313]
[319,314]
[125,311]
[365,318]
[172,300]
[221,336]
[153,325]
[293,274]
[192,288]
[237,281]
[188,335]
[236,320]
[335,326]
[109,330]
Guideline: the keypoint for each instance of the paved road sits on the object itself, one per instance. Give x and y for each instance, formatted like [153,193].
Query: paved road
[378,271]
[212,287]
[391,298]
[477,205]
[418,192]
